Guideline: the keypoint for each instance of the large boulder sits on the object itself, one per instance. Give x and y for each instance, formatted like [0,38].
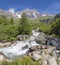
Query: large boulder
[51,40]
[59,61]
[22,37]
[52,61]
[44,62]
[55,42]
[3,57]
[32,48]
[36,56]
[6,44]
[40,39]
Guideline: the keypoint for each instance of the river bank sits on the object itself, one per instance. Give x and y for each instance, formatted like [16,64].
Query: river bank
[38,46]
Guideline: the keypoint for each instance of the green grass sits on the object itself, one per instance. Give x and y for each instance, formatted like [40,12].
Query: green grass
[23,61]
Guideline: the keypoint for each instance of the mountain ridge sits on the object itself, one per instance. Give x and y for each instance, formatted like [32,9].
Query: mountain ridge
[30,13]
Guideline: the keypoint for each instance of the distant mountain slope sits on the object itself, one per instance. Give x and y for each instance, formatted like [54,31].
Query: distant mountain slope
[57,16]
[29,13]
[5,13]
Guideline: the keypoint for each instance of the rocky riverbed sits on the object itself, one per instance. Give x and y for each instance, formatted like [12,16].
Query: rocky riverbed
[40,47]
[45,55]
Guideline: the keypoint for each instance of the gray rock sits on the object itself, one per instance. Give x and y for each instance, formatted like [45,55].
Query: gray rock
[36,56]
[22,37]
[53,41]
[6,44]
[32,48]
[59,61]
[56,42]
[25,47]
[44,62]
[52,61]
[41,39]
[3,57]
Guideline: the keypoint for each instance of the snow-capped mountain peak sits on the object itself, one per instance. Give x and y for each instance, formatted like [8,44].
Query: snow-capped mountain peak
[29,13]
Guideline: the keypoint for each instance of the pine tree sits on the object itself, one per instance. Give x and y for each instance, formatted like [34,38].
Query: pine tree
[24,25]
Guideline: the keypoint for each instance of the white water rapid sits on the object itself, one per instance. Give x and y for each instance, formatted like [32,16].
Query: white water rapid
[21,47]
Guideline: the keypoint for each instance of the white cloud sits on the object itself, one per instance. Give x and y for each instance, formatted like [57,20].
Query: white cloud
[53,8]
[12,10]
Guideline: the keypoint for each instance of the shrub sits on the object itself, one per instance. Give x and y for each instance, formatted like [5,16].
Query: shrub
[55,29]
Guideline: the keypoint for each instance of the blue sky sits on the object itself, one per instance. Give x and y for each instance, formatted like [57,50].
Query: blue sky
[45,6]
